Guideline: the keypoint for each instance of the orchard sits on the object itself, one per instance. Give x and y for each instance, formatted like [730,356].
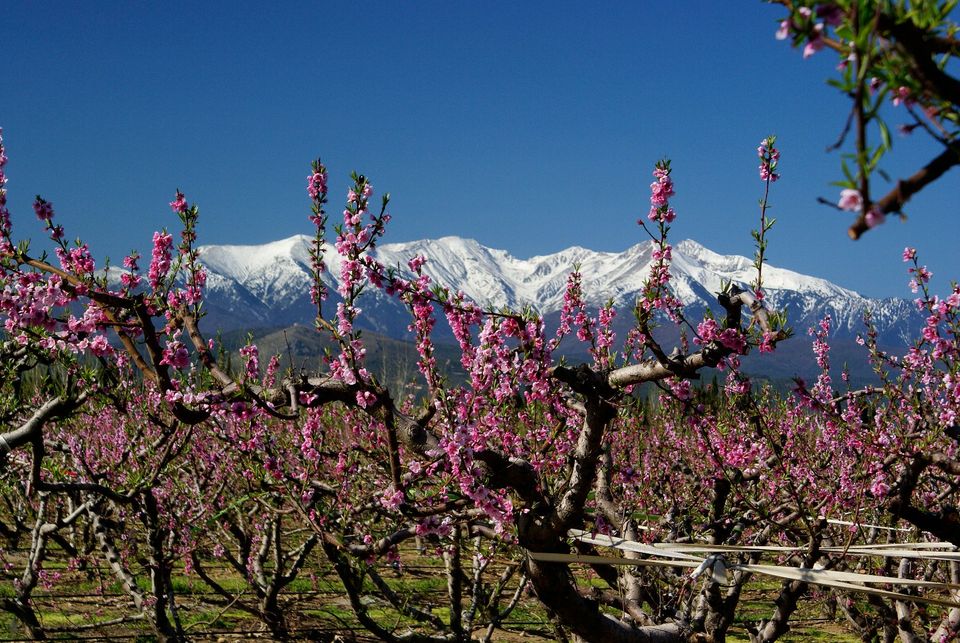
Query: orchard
[624,497]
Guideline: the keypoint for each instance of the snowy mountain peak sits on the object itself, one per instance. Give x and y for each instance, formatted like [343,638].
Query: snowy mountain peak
[276,277]
[243,261]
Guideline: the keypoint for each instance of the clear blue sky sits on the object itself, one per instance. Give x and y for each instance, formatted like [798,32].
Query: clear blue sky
[529,126]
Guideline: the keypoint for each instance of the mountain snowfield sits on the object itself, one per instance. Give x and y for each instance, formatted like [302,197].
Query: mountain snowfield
[269,284]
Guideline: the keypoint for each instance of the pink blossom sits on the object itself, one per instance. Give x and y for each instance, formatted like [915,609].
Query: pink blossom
[909,254]
[130,280]
[736,385]
[767,343]
[392,499]
[850,200]
[76,259]
[252,366]
[879,486]
[815,43]
[812,47]
[769,156]
[43,209]
[100,347]
[365,399]
[901,95]
[851,58]
[5,244]
[243,412]
[160,259]
[175,354]
[875,217]
[784,31]
[660,191]
[317,183]
[179,204]
[733,339]
[681,388]
[417,263]
[707,331]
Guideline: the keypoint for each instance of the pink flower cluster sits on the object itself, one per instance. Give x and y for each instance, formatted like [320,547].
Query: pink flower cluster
[357,269]
[160,259]
[43,209]
[574,315]
[656,294]
[317,190]
[252,365]
[461,317]
[317,183]
[815,42]
[44,212]
[175,353]
[76,260]
[598,332]
[5,244]
[606,336]
[419,299]
[179,203]
[392,499]
[731,338]
[131,279]
[806,26]
[660,192]
[852,201]
[920,277]
[769,155]
[822,390]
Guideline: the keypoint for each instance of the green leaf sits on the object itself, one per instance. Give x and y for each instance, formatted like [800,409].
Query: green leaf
[884,135]
[875,158]
[844,184]
[847,173]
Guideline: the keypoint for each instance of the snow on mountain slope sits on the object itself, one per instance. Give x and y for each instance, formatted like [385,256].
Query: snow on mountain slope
[271,282]
[270,272]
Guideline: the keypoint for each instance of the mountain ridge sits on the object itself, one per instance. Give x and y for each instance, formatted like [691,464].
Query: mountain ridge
[269,283]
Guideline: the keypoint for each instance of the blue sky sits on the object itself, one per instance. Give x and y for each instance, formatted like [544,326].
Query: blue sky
[528,126]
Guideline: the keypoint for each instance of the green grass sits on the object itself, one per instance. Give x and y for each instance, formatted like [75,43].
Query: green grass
[316,600]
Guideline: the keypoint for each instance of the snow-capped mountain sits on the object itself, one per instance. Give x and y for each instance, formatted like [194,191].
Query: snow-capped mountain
[268,285]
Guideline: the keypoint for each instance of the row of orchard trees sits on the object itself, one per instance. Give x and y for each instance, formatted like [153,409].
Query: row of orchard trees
[128,446]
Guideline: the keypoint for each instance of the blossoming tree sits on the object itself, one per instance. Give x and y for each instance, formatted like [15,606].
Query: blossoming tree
[130,444]
[897,53]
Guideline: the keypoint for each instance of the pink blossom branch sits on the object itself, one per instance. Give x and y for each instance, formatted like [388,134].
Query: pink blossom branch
[108,301]
[894,200]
